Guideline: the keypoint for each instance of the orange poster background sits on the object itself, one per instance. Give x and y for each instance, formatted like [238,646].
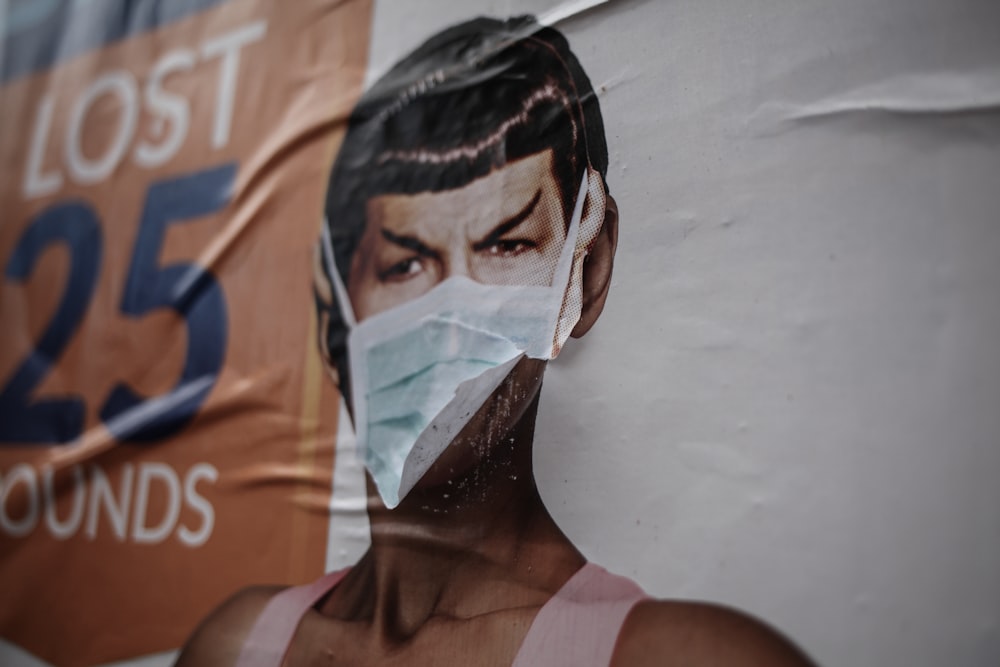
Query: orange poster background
[267,427]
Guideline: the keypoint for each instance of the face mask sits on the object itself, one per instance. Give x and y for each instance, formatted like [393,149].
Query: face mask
[421,370]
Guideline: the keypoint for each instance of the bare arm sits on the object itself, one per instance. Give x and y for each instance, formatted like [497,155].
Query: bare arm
[665,633]
[218,639]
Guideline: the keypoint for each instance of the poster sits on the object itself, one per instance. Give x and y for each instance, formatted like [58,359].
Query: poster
[161,395]
[787,405]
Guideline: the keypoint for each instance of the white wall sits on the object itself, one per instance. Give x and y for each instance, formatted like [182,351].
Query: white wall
[793,399]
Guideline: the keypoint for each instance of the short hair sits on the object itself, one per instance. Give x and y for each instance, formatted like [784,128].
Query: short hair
[470,99]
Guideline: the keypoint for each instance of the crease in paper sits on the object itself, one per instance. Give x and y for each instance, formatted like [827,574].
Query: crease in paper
[932,95]
[567,9]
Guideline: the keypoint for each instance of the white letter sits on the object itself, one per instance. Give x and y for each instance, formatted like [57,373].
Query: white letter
[37,184]
[26,524]
[228,46]
[187,536]
[140,533]
[61,531]
[122,84]
[170,107]
[100,488]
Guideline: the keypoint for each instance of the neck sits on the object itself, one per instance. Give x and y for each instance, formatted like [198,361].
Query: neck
[471,545]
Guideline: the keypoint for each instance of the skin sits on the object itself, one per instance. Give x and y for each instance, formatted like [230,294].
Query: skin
[457,572]
[506,228]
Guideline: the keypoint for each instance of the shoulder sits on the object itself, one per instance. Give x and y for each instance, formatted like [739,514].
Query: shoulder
[664,632]
[219,637]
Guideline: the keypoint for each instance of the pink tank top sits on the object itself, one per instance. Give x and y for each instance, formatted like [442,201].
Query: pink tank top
[577,627]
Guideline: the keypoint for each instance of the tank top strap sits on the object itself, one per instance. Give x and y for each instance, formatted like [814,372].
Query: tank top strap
[274,628]
[579,625]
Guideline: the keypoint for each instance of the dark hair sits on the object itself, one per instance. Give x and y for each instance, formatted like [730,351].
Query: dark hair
[468,100]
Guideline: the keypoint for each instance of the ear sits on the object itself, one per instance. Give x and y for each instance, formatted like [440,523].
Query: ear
[597,268]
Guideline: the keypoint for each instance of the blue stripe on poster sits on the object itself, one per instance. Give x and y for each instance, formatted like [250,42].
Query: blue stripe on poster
[37,34]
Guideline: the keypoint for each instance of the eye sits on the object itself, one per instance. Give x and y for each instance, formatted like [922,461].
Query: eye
[509,247]
[404,270]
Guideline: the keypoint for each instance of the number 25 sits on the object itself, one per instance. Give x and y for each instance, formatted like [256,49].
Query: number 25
[188,289]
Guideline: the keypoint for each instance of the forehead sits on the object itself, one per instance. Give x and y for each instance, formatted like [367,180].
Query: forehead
[499,194]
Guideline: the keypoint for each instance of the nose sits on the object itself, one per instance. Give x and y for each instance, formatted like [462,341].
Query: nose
[458,261]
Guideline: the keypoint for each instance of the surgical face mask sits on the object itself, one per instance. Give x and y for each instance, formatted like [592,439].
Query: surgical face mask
[421,370]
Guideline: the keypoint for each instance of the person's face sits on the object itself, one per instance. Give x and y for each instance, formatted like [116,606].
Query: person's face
[506,228]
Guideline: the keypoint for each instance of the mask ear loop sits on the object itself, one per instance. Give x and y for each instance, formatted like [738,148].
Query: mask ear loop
[563,268]
[359,412]
[343,301]
[565,272]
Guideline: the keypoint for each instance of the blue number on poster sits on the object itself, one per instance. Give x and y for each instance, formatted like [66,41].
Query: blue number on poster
[190,291]
[51,419]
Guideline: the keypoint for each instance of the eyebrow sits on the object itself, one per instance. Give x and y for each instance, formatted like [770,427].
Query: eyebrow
[507,225]
[408,242]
